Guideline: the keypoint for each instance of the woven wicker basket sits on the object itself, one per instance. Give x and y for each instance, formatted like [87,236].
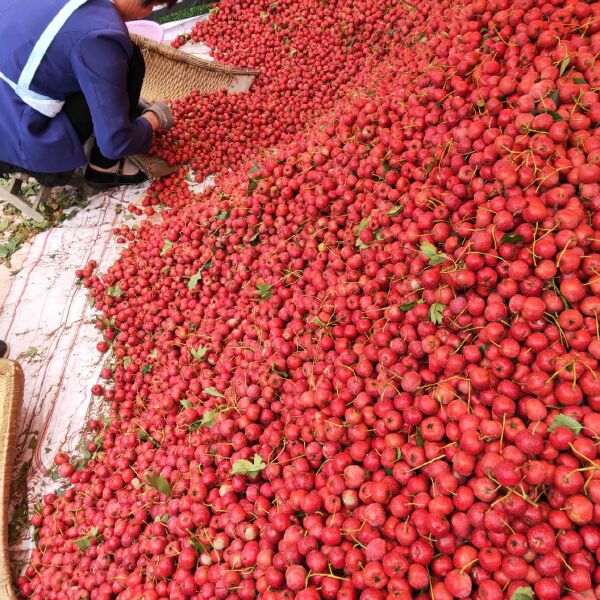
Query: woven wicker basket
[11,397]
[172,74]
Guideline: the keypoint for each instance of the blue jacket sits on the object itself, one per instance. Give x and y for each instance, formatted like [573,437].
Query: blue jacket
[90,54]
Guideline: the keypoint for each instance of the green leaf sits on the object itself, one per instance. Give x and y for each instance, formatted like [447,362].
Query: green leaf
[431,252]
[407,306]
[264,15]
[159,483]
[211,391]
[511,238]
[419,441]
[563,65]
[86,454]
[213,11]
[252,185]
[207,420]
[483,349]
[554,97]
[263,290]
[31,352]
[522,593]
[162,518]
[222,215]
[556,116]
[200,353]
[198,545]
[146,369]
[83,543]
[362,225]
[153,353]
[7,249]
[395,210]
[568,422]
[245,467]
[565,302]
[144,436]
[166,247]
[436,313]
[195,279]
[579,80]
[318,322]
[114,291]
[186,404]
[241,467]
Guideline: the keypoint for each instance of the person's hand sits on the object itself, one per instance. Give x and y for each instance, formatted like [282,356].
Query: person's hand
[143,105]
[162,114]
[152,119]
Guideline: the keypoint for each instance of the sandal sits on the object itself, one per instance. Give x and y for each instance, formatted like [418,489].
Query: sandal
[102,180]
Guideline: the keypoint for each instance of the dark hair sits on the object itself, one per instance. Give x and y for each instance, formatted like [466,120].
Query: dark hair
[169,3]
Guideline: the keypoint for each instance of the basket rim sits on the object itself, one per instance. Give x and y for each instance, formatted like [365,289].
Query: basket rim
[184,57]
[11,397]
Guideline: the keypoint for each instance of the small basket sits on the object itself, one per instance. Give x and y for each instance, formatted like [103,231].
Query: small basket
[153,166]
[173,74]
[11,397]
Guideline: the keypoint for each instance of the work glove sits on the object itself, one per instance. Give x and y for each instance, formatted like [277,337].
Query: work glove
[163,113]
[143,105]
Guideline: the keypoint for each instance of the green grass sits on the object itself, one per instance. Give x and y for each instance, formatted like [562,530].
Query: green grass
[186,13]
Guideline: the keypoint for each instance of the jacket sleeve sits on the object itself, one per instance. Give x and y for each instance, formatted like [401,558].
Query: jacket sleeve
[100,61]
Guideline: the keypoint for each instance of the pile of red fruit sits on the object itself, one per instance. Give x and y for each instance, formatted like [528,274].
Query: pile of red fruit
[307,55]
[365,365]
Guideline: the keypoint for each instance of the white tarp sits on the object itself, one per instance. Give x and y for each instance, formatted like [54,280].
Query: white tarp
[47,320]
[172,30]
[46,317]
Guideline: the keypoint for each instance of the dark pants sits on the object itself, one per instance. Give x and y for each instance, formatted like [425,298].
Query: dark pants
[78,112]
